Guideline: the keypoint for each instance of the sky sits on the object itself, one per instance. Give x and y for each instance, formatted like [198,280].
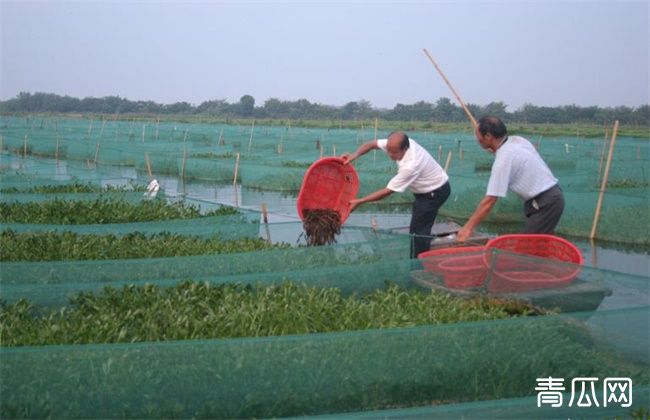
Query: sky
[540,52]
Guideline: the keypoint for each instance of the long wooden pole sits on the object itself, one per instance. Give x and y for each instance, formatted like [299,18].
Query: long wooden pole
[234,180]
[603,184]
[146,160]
[250,140]
[460,100]
[448,161]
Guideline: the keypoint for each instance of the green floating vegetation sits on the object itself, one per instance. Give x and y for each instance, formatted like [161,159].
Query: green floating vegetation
[103,210]
[75,187]
[193,310]
[69,246]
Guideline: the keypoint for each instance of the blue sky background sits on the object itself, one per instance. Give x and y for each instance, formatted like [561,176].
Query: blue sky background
[546,53]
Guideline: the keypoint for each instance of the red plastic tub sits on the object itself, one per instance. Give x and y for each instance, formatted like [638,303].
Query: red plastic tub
[460,267]
[328,184]
[512,273]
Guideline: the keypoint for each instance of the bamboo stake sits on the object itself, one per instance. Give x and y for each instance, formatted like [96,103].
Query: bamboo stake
[101,132]
[143,129]
[90,127]
[234,180]
[333,150]
[221,138]
[280,150]
[376,129]
[157,128]
[185,137]
[439,153]
[460,100]
[184,163]
[146,159]
[96,153]
[448,161]
[265,218]
[25,146]
[56,152]
[603,185]
[250,140]
[321,151]
[1,143]
[460,153]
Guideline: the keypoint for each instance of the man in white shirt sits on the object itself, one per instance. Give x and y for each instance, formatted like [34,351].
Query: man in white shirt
[517,167]
[416,170]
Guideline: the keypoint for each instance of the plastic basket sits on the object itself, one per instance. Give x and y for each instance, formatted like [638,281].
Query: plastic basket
[460,268]
[512,273]
[328,184]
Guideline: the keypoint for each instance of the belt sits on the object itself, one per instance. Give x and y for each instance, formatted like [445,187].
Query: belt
[427,194]
[544,192]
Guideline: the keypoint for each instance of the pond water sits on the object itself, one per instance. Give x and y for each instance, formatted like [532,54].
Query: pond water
[282,217]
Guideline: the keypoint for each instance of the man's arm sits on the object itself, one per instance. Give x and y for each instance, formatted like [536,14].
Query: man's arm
[481,212]
[375,196]
[362,150]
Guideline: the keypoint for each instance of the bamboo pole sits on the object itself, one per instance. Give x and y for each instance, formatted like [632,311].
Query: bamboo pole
[603,185]
[280,150]
[439,153]
[448,161]
[265,218]
[250,140]
[376,122]
[321,151]
[221,138]
[96,153]
[56,151]
[25,146]
[143,130]
[101,132]
[184,163]
[157,128]
[460,153]
[146,159]
[460,100]
[234,179]
[333,150]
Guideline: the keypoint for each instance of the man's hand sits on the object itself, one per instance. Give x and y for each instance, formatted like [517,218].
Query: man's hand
[348,157]
[354,204]
[463,234]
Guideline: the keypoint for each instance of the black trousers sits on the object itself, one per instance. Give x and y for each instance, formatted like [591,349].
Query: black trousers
[544,211]
[425,210]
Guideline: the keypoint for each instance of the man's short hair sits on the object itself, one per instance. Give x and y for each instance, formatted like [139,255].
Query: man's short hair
[404,141]
[492,125]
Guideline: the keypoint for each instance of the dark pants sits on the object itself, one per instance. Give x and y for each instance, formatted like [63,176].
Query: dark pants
[544,211]
[425,210]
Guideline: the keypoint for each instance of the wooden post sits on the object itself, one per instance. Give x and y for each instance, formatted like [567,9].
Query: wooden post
[184,163]
[146,160]
[460,100]
[185,136]
[603,185]
[439,153]
[321,151]
[90,127]
[101,132]
[460,153]
[56,151]
[376,128]
[143,129]
[234,180]
[25,146]
[221,138]
[448,161]
[96,153]
[333,150]
[265,218]
[157,128]
[250,140]
[280,146]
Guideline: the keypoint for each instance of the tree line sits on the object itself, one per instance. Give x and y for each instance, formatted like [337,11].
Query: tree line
[443,110]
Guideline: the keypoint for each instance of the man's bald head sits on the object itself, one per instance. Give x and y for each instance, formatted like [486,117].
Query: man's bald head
[397,145]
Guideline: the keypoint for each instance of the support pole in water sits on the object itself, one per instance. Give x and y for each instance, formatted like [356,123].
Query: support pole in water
[603,185]
[234,179]
[265,219]
[146,160]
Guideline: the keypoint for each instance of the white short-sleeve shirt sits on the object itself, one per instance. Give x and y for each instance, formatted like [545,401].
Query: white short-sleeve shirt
[417,170]
[517,166]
